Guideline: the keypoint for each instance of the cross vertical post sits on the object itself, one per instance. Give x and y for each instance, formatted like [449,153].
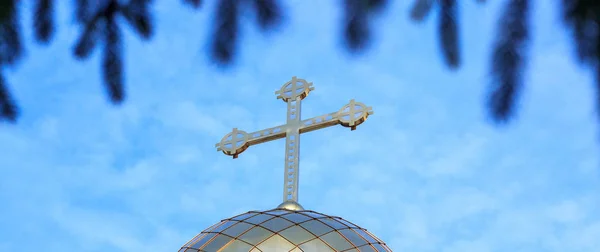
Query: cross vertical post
[292,92]
[292,152]
[293,97]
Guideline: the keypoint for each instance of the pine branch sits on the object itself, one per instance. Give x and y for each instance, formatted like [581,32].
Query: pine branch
[376,5]
[8,108]
[193,3]
[112,66]
[581,17]
[87,40]
[268,13]
[137,15]
[356,30]
[11,48]
[508,59]
[420,9]
[43,20]
[226,31]
[448,30]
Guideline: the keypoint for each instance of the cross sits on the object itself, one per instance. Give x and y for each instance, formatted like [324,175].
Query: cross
[292,92]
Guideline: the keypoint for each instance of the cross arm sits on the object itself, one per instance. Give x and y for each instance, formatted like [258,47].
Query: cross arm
[319,122]
[238,141]
[267,135]
[351,115]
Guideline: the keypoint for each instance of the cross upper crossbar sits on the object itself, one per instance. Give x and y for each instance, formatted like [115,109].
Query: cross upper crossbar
[292,92]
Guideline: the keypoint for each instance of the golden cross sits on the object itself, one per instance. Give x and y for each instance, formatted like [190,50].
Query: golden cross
[292,92]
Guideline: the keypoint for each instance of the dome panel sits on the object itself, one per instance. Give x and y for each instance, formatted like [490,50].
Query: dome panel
[380,247]
[366,248]
[353,237]
[203,240]
[277,224]
[367,236]
[218,242]
[278,212]
[316,245]
[238,245]
[222,226]
[245,216]
[332,223]
[260,218]
[276,243]
[316,227]
[336,241]
[297,218]
[237,229]
[347,223]
[256,235]
[314,214]
[284,230]
[297,234]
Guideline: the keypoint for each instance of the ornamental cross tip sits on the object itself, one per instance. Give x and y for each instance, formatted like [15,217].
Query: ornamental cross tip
[292,93]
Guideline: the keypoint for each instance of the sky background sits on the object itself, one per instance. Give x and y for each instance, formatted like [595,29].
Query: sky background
[427,172]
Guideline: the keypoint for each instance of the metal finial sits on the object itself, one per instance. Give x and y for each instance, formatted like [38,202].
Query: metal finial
[350,115]
[290,205]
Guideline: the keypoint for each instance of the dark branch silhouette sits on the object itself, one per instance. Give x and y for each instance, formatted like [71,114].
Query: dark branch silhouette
[268,13]
[226,31]
[194,3]
[508,59]
[112,58]
[82,10]
[583,19]
[356,22]
[99,26]
[449,32]
[420,9]
[43,20]
[7,105]
[10,42]
[87,40]
[10,51]
[136,13]
[102,24]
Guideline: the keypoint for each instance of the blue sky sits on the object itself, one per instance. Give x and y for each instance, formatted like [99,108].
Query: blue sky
[427,172]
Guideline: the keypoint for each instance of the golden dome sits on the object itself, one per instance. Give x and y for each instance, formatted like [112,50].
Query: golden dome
[282,229]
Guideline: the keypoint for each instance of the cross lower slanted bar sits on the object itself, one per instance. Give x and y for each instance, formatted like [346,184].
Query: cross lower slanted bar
[292,92]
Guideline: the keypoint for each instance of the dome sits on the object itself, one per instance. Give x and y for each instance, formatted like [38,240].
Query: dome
[284,229]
